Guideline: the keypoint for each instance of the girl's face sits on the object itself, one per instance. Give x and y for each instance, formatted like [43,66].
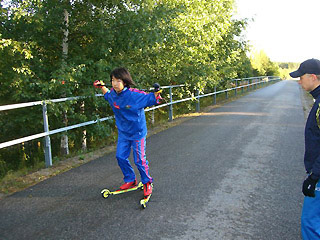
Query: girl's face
[117,84]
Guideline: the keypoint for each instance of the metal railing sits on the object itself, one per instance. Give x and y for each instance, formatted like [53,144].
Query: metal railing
[252,82]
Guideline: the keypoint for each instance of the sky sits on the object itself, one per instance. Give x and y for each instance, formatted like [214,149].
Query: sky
[286,30]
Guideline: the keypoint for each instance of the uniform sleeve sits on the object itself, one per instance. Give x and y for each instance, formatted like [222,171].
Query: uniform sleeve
[317,116]
[316,165]
[316,168]
[143,99]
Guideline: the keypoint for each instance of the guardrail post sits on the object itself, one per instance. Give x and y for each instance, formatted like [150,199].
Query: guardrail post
[170,106]
[197,102]
[47,146]
[242,87]
[152,117]
[227,94]
[235,90]
[215,96]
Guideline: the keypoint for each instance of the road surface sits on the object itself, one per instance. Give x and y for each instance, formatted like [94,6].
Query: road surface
[233,173]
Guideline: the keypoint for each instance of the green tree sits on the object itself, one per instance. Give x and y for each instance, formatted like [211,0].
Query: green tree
[286,67]
[166,41]
[263,65]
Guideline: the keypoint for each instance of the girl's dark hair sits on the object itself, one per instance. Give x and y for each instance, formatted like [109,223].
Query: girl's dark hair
[123,74]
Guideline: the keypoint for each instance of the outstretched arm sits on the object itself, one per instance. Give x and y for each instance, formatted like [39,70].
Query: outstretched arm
[104,90]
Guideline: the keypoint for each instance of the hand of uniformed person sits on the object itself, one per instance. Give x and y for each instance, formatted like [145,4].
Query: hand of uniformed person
[309,186]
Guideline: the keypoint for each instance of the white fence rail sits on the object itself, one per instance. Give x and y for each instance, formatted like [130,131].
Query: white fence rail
[252,82]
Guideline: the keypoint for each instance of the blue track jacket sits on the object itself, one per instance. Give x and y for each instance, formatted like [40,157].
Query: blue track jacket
[312,137]
[128,107]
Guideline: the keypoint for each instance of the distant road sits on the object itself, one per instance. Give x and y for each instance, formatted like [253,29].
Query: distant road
[233,173]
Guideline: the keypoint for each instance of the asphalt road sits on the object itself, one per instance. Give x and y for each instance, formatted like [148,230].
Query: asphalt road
[233,173]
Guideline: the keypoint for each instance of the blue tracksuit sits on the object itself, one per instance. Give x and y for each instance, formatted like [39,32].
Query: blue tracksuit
[310,218]
[128,107]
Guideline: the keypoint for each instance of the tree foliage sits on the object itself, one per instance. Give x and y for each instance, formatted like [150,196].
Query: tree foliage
[167,41]
[263,65]
[287,67]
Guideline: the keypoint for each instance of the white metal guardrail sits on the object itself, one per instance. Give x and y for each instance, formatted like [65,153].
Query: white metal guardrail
[255,81]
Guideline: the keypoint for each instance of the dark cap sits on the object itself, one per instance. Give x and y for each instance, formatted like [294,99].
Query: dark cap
[310,66]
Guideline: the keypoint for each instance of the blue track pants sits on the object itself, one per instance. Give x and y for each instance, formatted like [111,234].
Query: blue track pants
[310,217]
[139,155]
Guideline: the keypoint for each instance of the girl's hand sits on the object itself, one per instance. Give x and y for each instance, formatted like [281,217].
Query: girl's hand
[157,92]
[98,84]
[156,87]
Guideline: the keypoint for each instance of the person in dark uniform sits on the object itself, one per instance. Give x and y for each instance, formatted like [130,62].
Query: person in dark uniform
[309,74]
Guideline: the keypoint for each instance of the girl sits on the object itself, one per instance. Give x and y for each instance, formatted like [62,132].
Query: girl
[128,106]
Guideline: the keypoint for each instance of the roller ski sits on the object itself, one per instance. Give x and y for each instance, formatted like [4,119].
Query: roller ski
[127,187]
[144,201]
[147,190]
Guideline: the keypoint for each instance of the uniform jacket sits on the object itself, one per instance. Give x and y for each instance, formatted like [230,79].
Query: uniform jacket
[128,107]
[312,137]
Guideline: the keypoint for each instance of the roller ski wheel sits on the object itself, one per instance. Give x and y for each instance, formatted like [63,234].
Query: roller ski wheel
[144,201]
[106,192]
